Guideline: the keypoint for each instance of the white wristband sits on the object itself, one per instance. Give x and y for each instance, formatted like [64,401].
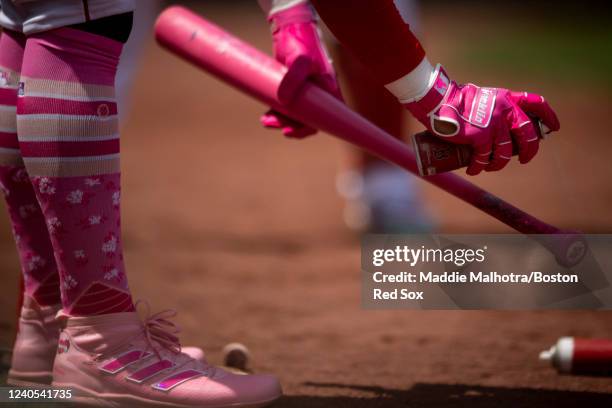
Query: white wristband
[414,85]
[274,6]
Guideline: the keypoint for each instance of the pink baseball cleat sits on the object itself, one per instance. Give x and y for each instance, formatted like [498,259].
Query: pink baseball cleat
[116,359]
[36,345]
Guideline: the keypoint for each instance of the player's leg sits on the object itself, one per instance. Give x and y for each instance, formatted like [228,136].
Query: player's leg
[131,57]
[36,340]
[379,196]
[68,135]
[28,225]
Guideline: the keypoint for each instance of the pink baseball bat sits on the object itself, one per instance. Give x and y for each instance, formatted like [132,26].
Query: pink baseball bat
[233,61]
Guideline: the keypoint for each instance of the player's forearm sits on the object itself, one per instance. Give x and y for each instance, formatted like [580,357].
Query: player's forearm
[375,32]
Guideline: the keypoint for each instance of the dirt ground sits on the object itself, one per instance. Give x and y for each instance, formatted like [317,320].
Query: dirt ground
[240,230]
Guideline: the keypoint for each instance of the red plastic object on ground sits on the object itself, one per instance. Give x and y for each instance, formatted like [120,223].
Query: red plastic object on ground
[580,356]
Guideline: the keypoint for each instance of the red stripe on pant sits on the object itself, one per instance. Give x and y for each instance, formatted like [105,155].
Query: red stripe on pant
[40,105]
[69,149]
[9,140]
[8,96]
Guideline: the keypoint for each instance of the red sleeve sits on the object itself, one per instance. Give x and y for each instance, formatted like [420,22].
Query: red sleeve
[374,31]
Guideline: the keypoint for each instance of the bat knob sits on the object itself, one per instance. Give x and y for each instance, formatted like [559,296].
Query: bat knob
[569,248]
[574,252]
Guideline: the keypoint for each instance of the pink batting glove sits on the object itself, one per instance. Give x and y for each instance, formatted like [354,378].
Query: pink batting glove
[295,34]
[488,119]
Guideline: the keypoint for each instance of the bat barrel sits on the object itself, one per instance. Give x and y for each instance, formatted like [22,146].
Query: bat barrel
[209,47]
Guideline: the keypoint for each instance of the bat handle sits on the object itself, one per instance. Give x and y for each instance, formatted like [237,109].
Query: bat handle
[568,247]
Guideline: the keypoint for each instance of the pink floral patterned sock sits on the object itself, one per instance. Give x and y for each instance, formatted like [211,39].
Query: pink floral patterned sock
[68,135]
[41,280]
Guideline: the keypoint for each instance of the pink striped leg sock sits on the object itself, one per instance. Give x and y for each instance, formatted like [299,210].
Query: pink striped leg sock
[68,135]
[41,280]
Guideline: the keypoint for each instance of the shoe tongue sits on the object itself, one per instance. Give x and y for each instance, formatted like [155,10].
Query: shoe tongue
[97,334]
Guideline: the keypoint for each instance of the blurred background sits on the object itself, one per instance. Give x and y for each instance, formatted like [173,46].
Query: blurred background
[244,232]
